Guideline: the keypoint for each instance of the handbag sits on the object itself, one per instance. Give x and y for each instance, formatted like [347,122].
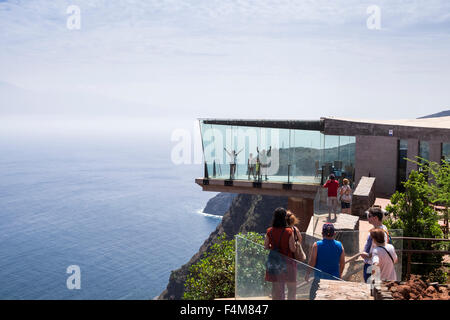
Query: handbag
[299,253]
[276,263]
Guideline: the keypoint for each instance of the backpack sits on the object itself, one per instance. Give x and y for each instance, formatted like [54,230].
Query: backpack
[389,237]
[276,263]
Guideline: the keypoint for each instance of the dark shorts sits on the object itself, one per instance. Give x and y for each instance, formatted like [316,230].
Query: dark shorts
[345,205]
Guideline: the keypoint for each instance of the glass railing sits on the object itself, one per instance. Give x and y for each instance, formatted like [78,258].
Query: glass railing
[274,154]
[258,276]
[256,279]
[354,243]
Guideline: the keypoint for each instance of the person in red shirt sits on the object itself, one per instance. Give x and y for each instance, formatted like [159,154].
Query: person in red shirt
[280,237]
[332,185]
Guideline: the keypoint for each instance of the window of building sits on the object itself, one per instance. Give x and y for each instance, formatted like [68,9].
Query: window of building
[424,150]
[446,151]
[402,163]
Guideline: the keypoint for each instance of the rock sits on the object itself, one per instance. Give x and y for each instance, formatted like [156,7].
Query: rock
[416,289]
[363,196]
[219,204]
[404,291]
[397,296]
[246,213]
[430,290]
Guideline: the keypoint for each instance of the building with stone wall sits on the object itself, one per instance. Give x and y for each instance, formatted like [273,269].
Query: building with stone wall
[293,158]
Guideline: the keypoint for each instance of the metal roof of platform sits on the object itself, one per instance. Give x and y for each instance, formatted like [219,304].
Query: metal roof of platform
[426,129]
[315,125]
[423,129]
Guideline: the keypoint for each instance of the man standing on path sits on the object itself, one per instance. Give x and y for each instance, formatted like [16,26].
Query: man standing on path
[332,185]
[327,257]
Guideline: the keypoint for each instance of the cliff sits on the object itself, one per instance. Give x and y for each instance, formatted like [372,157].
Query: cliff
[247,213]
[219,204]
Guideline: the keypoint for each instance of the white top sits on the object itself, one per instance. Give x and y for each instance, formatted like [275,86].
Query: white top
[370,250]
[346,193]
[381,257]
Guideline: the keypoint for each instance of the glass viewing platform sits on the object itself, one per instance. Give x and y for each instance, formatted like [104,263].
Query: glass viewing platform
[274,151]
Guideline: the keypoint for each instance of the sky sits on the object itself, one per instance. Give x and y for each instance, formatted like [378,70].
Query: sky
[178,60]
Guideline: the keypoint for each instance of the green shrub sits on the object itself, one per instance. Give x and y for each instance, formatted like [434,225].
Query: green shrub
[413,212]
[214,275]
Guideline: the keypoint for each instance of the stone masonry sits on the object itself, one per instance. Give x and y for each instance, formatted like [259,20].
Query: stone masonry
[363,196]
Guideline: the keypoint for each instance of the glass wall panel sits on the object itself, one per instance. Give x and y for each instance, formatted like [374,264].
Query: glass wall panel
[306,156]
[424,154]
[213,137]
[339,157]
[446,151]
[246,139]
[273,154]
[255,277]
[402,164]
[208,148]
[424,150]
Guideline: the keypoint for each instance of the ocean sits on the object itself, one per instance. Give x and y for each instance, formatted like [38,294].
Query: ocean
[117,208]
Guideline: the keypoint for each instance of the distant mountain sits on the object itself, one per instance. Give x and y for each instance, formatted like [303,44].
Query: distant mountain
[445,113]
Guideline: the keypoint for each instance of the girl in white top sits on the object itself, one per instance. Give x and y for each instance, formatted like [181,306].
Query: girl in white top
[383,255]
[345,195]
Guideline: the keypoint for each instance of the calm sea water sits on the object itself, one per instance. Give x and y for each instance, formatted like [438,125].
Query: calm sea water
[117,208]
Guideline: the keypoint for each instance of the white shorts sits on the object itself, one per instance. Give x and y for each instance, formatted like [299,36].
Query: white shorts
[332,201]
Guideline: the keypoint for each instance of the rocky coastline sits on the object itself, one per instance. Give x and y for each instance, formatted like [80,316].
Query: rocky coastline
[245,213]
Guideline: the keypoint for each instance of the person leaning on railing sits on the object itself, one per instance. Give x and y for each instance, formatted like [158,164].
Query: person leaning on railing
[384,257]
[375,216]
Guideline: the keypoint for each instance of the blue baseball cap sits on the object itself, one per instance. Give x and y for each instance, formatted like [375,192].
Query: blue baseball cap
[328,230]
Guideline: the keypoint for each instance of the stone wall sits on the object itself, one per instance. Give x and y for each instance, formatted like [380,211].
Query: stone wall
[377,157]
[363,196]
[381,292]
[345,226]
[343,290]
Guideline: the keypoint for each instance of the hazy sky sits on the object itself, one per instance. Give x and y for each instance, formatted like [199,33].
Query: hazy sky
[226,58]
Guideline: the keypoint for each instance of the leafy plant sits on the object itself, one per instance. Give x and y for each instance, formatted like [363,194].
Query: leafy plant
[413,211]
[251,266]
[214,275]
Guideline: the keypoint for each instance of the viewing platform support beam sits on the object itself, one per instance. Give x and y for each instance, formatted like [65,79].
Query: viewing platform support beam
[303,209]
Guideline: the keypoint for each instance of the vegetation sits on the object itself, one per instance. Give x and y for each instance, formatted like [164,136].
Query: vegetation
[413,211]
[214,275]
